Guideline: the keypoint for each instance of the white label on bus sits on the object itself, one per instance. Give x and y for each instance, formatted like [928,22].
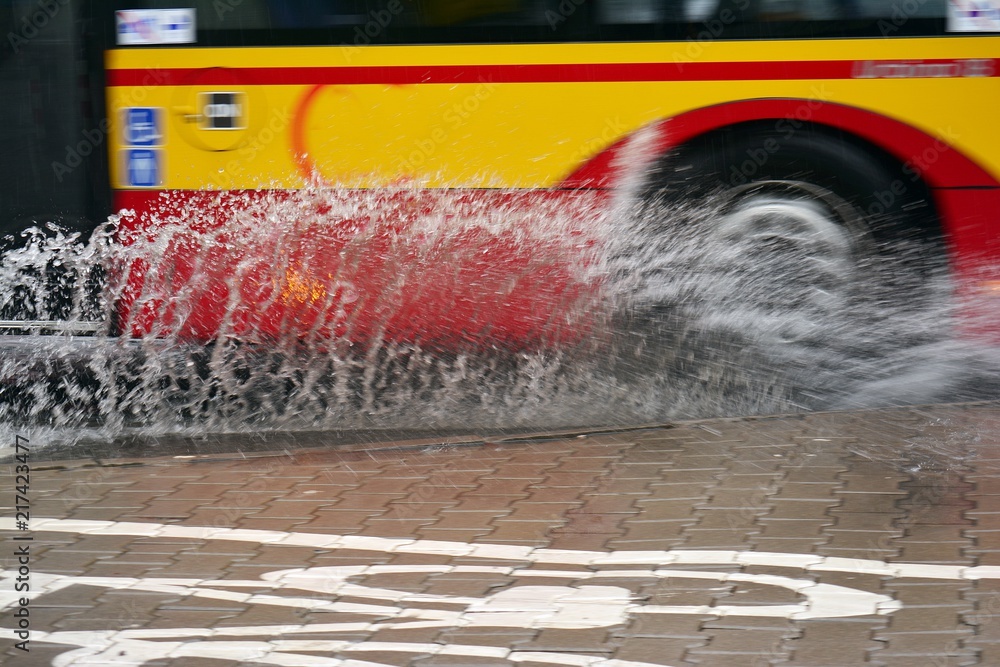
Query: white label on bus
[974,16]
[222,111]
[155,26]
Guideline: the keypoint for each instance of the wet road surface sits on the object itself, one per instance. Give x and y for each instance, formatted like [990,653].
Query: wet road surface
[832,539]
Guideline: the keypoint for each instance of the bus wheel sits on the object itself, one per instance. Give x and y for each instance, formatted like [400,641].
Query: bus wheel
[769,258]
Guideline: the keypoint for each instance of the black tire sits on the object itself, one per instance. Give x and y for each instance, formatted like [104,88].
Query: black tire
[759,260]
[894,205]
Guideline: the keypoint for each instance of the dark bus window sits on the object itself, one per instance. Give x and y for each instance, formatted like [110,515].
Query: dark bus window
[364,22]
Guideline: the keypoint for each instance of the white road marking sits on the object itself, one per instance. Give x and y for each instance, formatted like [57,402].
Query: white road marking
[590,598]
[106,650]
[807,562]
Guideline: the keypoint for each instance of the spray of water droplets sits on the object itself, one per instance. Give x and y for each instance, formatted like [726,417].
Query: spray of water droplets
[672,314]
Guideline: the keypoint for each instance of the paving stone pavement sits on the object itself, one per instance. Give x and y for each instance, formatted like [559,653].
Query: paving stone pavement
[834,539]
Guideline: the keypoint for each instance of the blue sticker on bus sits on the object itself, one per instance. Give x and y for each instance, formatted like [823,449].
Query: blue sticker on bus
[143,126]
[142,167]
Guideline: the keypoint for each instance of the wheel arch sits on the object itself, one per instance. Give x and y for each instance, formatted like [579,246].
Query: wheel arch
[963,193]
[932,160]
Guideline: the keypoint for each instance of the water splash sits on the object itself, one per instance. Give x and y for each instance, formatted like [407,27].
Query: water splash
[767,323]
[329,308]
[661,314]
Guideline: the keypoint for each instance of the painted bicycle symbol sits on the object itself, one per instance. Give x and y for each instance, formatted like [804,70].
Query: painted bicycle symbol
[539,589]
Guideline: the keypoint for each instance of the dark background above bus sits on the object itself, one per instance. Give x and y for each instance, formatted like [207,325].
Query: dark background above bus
[51,129]
[362,22]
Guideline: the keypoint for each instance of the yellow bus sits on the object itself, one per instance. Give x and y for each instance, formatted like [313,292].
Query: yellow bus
[882,116]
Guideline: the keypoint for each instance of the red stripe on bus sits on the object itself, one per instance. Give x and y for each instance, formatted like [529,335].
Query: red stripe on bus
[535,73]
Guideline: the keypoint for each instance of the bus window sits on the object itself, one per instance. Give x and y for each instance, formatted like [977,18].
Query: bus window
[244,15]
[886,8]
[644,11]
[808,10]
[455,12]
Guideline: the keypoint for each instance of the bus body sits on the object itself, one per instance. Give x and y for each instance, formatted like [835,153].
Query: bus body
[409,99]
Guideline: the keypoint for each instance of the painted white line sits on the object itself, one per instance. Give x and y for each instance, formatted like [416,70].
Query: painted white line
[516,553]
[106,650]
[588,599]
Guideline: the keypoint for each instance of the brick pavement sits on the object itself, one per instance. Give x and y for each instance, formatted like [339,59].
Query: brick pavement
[865,538]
